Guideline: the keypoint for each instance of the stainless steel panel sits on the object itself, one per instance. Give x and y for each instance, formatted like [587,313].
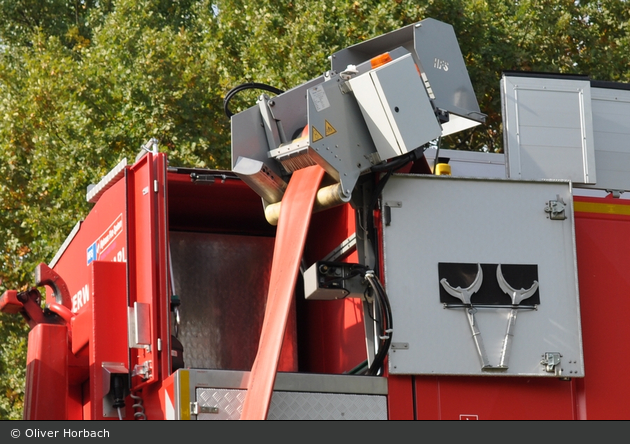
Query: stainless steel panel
[327,406]
[454,220]
[295,405]
[222,281]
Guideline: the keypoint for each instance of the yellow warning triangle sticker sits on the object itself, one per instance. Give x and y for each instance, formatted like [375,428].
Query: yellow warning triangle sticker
[316,135]
[329,129]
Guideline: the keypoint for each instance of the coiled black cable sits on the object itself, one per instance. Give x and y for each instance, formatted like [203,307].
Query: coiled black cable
[138,408]
[243,87]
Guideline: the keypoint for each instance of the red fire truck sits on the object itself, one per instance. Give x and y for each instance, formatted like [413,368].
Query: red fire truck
[349,268]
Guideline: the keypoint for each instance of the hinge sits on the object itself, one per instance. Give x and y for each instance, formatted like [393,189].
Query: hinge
[551,361]
[387,211]
[196,409]
[555,209]
[155,186]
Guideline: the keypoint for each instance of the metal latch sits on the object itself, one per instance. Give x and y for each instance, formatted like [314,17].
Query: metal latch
[196,409]
[143,370]
[551,360]
[555,209]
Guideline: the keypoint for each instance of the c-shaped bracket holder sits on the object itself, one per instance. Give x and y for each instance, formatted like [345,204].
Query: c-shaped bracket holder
[44,275]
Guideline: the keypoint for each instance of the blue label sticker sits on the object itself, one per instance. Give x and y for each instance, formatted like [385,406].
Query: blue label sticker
[91,253]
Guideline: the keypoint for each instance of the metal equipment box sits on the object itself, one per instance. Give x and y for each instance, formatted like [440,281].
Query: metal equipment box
[463,258]
[396,107]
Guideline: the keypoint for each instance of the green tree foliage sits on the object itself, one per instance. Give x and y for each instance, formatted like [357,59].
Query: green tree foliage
[84,83]
[60,18]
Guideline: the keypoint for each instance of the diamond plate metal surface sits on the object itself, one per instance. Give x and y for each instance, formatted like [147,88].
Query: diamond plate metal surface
[222,281]
[229,402]
[296,405]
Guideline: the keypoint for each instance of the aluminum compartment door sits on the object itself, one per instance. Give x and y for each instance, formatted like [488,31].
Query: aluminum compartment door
[611,127]
[548,128]
[227,404]
[439,224]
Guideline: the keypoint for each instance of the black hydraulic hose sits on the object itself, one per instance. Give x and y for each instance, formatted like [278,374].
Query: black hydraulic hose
[389,168]
[398,162]
[388,327]
[243,87]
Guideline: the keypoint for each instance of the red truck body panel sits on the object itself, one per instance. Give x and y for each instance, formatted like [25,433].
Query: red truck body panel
[131,223]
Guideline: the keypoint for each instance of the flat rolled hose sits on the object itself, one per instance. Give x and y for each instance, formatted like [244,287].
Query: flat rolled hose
[327,197]
[287,256]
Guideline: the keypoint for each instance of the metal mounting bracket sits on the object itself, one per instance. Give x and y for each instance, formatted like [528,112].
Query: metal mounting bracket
[616,193]
[143,370]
